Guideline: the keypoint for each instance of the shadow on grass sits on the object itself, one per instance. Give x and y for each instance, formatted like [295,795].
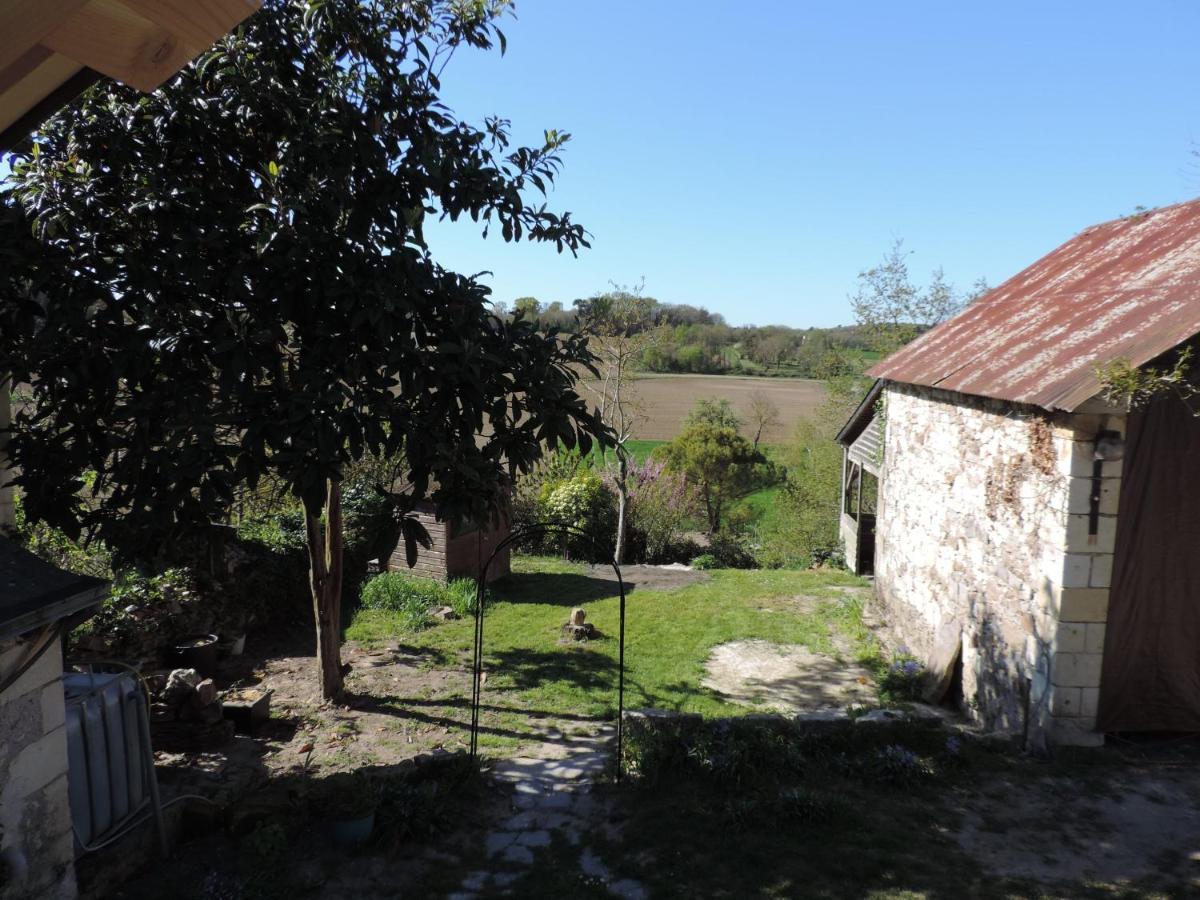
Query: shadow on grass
[557,589]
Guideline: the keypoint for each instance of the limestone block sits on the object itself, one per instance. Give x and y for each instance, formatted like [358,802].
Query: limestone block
[1095,637]
[1075,458]
[1080,495]
[1071,637]
[1083,605]
[1089,701]
[46,670]
[1101,574]
[1077,570]
[1076,670]
[1065,701]
[54,707]
[39,763]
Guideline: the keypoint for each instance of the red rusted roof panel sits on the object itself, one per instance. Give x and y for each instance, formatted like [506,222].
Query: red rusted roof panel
[1124,289]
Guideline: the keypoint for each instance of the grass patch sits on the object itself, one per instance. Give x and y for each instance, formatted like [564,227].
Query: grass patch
[669,635]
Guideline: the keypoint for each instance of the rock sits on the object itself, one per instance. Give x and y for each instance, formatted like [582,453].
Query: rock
[823,720]
[651,714]
[578,616]
[444,613]
[947,646]
[206,692]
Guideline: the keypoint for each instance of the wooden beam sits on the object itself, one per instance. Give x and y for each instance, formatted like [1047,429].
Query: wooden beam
[23,24]
[199,25]
[110,38]
[12,136]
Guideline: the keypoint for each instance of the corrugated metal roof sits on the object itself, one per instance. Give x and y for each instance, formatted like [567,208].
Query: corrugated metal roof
[1129,289]
[867,449]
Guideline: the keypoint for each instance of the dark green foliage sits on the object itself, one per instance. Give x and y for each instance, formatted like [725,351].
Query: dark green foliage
[228,281]
[144,613]
[731,550]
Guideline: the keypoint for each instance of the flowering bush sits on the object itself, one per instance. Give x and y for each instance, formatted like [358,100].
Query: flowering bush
[660,503]
[582,502]
[903,680]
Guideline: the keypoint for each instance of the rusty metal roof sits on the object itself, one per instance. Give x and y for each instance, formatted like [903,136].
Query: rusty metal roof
[1128,289]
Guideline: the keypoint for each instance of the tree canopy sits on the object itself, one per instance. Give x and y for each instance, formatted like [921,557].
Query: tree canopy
[229,279]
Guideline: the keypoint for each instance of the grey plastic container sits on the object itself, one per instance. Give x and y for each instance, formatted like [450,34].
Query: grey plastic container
[107,756]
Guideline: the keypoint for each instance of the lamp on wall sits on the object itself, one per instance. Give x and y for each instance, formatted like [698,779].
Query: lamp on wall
[1110,446]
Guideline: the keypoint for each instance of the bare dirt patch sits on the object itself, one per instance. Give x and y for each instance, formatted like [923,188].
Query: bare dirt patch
[653,578]
[785,677]
[667,399]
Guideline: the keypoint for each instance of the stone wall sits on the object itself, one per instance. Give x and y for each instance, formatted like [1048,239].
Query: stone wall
[36,842]
[982,536]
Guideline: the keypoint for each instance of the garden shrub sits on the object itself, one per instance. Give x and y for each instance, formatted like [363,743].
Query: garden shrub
[732,550]
[583,503]
[705,561]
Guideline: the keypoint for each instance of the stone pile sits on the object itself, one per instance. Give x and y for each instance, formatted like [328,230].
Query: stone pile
[186,714]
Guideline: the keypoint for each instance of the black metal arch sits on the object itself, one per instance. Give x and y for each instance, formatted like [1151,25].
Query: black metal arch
[477,661]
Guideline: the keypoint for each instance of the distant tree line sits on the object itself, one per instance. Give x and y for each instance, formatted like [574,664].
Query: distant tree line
[691,339]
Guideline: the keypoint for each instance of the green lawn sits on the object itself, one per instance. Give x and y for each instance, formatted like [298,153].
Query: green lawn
[638,450]
[669,634]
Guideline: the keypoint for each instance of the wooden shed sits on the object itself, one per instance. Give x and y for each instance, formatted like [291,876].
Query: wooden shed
[457,551]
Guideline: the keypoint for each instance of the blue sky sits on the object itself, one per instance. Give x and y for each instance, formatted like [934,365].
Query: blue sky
[753,158]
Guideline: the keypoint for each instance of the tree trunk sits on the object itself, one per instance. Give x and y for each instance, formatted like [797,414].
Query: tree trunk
[325,579]
[622,503]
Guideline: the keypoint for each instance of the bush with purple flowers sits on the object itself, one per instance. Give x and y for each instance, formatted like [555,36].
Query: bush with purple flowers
[902,680]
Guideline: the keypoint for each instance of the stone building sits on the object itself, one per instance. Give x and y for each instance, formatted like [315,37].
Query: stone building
[1031,541]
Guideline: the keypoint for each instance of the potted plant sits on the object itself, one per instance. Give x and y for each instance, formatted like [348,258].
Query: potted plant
[348,802]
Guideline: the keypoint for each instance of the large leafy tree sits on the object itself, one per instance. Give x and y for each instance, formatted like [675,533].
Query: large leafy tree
[229,280]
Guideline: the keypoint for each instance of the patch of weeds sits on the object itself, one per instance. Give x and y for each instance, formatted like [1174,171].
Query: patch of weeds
[427,801]
[412,600]
[896,764]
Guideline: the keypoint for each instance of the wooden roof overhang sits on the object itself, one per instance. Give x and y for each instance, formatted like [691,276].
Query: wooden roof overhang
[51,50]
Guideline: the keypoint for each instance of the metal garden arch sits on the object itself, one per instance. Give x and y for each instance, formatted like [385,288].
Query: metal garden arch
[477,660]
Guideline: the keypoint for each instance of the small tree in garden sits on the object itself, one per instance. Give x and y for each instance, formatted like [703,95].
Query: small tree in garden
[717,460]
[621,326]
[229,280]
[716,411]
[764,415]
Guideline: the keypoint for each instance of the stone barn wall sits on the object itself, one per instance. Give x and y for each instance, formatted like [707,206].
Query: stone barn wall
[983,533]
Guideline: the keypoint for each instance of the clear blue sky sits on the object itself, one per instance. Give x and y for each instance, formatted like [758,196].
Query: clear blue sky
[753,157]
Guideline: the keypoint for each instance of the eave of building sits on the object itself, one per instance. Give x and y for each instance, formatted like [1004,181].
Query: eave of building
[1127,289]
[51,50]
